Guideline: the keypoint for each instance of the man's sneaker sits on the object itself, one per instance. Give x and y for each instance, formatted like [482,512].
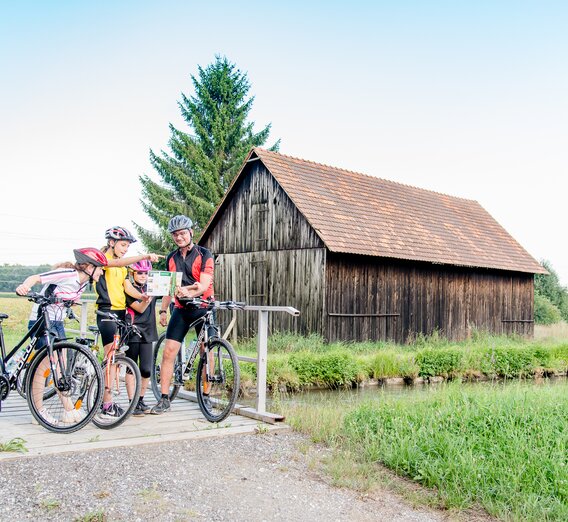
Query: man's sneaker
[114,410]
[207,402]
[162,406]
[141,409]
[143,406]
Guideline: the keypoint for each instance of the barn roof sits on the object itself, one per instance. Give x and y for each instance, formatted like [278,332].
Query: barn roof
[360,214]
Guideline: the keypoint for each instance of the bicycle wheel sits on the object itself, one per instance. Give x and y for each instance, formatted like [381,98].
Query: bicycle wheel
[124,386]
[76,372]
[177,377]
[222,380]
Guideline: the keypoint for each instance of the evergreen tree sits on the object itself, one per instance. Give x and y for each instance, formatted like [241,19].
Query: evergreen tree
[202,164]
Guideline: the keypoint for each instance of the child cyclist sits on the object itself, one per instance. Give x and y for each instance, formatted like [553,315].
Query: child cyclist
[111,289]
[68,283]
[143,312]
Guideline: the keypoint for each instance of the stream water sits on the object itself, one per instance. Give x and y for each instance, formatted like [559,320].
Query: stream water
[380,392]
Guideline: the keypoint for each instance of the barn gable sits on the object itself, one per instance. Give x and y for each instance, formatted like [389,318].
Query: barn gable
[257,215]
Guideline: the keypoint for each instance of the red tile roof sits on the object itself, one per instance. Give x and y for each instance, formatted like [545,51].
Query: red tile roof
[360,214]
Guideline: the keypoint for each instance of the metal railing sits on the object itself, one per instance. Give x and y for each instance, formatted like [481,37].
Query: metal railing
[261,355]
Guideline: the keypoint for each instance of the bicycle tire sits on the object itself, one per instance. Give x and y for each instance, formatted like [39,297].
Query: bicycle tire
[156,364]
[224,387]
[120,395]
[82,372]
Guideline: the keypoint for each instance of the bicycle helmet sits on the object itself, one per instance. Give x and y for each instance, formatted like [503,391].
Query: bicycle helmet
[179,223]
[141,266]
[92,256]
[119,234]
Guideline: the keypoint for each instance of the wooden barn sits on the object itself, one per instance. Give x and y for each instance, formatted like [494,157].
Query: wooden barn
[364,258]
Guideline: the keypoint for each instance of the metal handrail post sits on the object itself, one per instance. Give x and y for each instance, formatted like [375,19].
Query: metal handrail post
[262,355]
[83,323]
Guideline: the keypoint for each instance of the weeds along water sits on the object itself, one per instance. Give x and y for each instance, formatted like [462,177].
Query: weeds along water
[502,446]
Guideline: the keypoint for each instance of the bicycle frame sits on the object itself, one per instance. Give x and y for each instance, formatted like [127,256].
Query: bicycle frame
[42,325]
[202,340]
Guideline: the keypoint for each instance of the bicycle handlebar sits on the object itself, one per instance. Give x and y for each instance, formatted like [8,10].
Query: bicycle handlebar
[109,316]
[213,305]
[47,300]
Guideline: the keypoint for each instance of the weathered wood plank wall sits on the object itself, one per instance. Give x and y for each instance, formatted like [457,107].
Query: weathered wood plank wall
[284,278]
[368,298]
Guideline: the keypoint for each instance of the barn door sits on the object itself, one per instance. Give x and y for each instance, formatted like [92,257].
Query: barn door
[258,284]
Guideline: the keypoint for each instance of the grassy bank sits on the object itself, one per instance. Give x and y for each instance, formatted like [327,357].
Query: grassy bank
[296,362]
[505,448]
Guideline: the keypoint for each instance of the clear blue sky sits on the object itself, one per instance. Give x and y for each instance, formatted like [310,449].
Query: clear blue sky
[465,98]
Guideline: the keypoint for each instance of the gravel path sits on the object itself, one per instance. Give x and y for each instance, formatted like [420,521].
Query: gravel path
[247,477]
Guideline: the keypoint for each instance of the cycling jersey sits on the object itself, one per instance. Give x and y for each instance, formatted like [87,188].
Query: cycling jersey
[63,283]
[110,287]
[197,261]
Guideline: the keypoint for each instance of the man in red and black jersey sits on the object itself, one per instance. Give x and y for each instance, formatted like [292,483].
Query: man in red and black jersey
[196,264]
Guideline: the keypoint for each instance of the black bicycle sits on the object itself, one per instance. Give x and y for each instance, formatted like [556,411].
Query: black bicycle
[121,375]
[59,374]
[217,378]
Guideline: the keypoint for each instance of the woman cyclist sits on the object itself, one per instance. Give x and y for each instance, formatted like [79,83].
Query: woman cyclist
[112,288]
[143,313]
[67,282]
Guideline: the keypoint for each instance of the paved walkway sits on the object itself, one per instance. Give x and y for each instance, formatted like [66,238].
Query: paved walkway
[183,422]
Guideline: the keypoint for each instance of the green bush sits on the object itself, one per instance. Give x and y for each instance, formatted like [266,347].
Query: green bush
[445,362]
[510,362]
[332,369]
[544,311]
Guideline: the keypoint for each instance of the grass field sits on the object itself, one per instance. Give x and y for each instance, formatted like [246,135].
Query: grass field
[502,447]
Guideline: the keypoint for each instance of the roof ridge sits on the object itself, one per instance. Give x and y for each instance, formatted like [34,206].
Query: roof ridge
[365,175]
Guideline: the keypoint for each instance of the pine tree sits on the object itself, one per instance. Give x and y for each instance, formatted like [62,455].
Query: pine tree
[201,165]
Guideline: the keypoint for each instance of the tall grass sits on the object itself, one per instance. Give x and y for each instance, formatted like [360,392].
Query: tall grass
[504,448]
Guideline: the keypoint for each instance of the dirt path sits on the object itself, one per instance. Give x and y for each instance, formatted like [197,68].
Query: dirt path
[248,477]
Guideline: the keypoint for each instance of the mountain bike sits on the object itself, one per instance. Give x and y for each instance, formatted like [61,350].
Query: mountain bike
[59,374]
[217,377]
[121,375]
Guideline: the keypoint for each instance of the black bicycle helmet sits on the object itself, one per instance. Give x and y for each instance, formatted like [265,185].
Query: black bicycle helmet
[179,223]
[91,256]
[119,234]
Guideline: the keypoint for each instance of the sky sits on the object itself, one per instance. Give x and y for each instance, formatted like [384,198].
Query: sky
[464,98]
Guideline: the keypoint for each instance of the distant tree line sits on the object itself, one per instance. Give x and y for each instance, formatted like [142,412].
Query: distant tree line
[13,275]
[550,297]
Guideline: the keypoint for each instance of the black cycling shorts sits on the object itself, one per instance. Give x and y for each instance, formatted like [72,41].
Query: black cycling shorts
[107,327]
[180,320]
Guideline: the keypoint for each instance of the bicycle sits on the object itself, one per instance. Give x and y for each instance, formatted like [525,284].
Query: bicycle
[121,374]
[217,378]
[60,374]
